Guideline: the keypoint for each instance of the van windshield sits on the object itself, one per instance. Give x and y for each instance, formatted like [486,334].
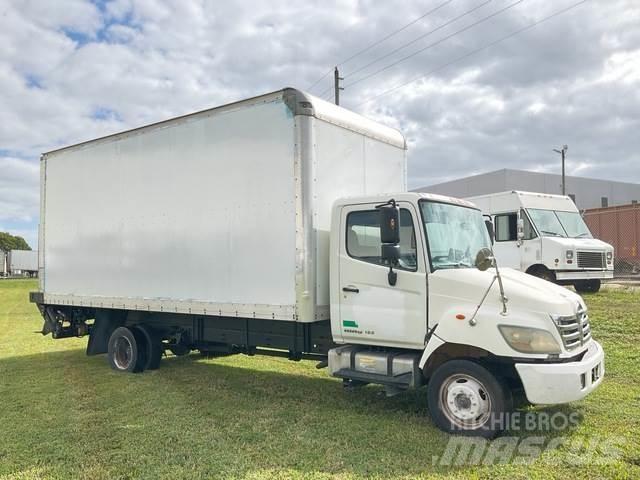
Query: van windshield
[553,223]
[455,234]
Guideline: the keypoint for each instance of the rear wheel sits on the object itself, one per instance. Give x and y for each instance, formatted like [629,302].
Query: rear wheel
[152,347]
[465,398]
[125,352]
[587,286]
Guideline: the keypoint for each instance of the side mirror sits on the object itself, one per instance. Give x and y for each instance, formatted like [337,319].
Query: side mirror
[484,259]
[390,253]
[520,229]
[390,237]
[389,224]
[490,229]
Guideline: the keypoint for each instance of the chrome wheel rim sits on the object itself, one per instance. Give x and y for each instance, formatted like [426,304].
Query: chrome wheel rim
[122,353]
[465,401]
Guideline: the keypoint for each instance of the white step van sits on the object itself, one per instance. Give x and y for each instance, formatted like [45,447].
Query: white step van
[280,225]
[544,235]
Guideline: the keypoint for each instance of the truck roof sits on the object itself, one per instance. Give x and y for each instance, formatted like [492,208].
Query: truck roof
[503,201]
[405,196]
[299,102]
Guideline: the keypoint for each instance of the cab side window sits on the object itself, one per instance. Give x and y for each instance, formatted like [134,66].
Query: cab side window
[506,227]
[363,238]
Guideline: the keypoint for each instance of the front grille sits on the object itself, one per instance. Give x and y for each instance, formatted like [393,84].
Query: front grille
[591,260]
[575,331]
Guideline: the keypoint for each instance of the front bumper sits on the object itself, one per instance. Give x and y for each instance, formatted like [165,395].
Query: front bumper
[583,274]
[553,383]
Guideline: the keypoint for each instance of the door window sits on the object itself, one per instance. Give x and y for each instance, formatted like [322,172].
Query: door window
[507,227]
[363,238]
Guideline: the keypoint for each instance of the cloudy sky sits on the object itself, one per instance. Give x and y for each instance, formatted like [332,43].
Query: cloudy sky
[72,70]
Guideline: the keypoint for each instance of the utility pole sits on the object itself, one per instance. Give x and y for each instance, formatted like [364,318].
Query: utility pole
[563,152]
[336,85]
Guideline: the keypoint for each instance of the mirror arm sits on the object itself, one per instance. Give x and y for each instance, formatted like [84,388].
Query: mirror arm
[392,276]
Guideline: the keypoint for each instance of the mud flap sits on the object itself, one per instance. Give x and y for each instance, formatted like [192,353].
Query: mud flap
[50,322]
[105,323]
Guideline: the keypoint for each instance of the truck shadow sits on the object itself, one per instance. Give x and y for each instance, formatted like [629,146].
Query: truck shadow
[238,414]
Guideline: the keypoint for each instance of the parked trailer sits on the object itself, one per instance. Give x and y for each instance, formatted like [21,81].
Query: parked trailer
[544,235]
[22,262]
[289,232]
[619,226]
[3,264]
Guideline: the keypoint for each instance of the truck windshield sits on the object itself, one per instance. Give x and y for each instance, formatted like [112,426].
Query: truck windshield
[552,223]
[455,234]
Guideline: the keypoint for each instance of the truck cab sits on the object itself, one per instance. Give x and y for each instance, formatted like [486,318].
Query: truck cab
[544,235]
[435,311]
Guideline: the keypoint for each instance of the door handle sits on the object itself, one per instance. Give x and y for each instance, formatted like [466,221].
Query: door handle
[351,289]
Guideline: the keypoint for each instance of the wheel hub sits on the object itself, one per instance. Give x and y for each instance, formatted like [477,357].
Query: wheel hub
[123,353]
[465,401]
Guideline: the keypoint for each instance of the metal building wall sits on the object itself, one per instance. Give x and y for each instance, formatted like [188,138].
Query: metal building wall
[588,192]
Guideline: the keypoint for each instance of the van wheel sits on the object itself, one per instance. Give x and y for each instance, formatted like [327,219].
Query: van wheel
[152,347]
[544,273]
[465,398]
[124,350]
[587,286]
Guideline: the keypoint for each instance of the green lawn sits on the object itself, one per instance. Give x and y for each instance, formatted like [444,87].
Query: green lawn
[65,415]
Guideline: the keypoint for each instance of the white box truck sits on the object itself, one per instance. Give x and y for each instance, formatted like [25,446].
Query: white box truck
[289,232]
[3,263]
[544,235]
[22,262]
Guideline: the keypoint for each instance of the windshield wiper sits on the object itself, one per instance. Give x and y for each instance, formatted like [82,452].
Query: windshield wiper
[454,265]
[555,234]
[583,234]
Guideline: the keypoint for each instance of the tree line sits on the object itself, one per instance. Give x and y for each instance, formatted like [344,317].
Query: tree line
[12,242]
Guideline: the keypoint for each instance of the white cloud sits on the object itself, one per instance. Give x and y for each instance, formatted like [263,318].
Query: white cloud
[87,69]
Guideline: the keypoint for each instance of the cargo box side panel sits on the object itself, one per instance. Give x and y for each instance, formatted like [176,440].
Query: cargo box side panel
[197,212]
[349,163]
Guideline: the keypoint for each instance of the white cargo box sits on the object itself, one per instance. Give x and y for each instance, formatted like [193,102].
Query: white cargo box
[222,212]
[22,260]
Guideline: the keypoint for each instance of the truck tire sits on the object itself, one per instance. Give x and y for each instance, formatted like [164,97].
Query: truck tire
[124,351]
[152,347]
[587,286]
[466,399]
[544,273]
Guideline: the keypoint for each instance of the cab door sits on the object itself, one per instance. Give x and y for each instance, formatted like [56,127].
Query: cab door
[514,250]
[371,310]
[507,246]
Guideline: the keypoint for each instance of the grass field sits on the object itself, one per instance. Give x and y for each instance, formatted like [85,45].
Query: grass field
[65,415]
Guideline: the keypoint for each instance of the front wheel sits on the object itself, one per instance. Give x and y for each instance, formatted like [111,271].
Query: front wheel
[465,398]
[544,273]
[587,286]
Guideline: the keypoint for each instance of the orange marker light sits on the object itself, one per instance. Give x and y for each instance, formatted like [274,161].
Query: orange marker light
[460,316]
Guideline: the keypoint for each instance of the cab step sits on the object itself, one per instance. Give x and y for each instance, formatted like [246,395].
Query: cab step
[396,369]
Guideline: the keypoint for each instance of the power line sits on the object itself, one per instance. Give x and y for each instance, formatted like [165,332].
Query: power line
[457,32]
[473,52]
[374,44]
[384,39]
[319,80]
[322,94]
[402,47]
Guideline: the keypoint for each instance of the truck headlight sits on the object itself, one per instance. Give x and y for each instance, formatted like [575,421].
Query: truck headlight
[529,340]
[609,256]
[569,254]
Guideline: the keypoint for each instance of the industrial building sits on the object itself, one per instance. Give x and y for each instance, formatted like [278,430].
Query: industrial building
[586,192]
